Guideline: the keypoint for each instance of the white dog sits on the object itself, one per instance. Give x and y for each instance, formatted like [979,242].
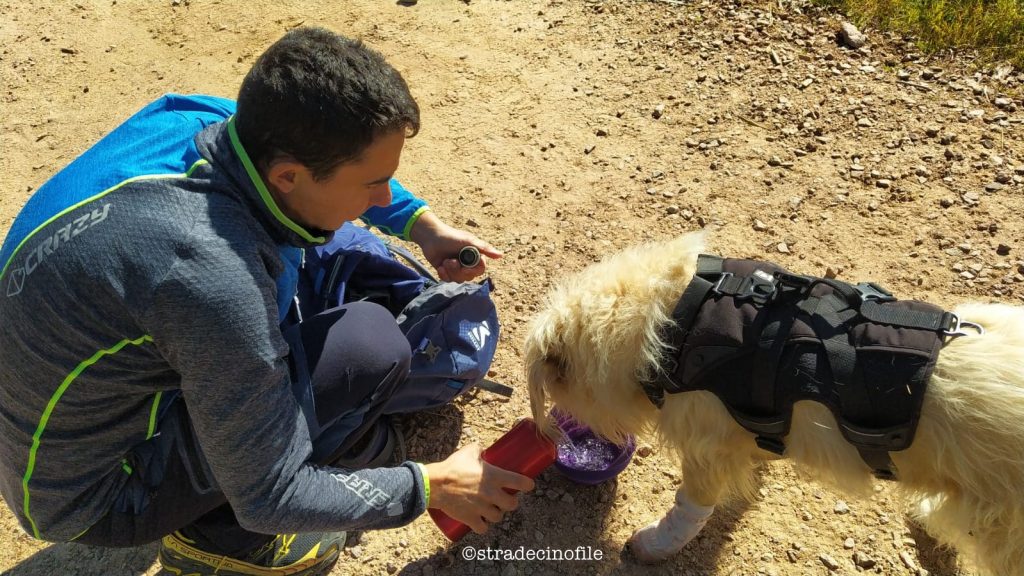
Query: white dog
[600,336]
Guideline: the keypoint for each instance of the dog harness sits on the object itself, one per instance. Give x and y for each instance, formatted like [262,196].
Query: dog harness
[761,338]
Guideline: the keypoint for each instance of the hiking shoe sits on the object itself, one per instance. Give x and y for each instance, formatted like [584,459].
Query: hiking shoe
[310,554]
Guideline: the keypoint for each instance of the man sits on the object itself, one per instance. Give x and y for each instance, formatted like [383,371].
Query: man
[147,389]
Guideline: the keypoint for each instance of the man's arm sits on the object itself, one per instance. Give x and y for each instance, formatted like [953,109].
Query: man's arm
[215,321]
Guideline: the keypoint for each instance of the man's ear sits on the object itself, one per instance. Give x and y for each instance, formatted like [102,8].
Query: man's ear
[283,175]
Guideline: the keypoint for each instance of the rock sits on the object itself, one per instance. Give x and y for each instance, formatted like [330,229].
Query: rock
[658,111]
[841,508]
[993,187]
[828,561]
[864,561]
[783,248]
[883,183]
[760,226]
[1003,102]
[849,543]
[851,37]
[908,560]
[1003,250]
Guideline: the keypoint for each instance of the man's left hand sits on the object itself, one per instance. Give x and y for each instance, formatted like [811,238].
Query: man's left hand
[441,243]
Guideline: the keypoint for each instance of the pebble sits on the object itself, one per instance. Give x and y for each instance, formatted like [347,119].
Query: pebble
[864,561]
[841,508]
[908,560]
[658,111]
[849,543]
[828,561]
[851,37]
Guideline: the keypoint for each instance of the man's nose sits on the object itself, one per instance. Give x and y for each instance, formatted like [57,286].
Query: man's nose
[382,196]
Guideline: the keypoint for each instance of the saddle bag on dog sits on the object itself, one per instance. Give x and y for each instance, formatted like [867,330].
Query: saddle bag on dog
[761,339]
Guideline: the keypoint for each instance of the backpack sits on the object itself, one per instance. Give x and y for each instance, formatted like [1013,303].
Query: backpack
[452,327]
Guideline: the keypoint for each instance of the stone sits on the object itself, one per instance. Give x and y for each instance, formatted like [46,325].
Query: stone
[829,562]
[864,561]
[851,37]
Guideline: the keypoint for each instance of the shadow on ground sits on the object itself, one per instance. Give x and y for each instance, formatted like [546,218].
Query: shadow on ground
[83,560]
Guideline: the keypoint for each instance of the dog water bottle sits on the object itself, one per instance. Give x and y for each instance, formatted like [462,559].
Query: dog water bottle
[523,450]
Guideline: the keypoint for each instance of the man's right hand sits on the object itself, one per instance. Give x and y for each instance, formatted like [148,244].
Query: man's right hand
[472,491]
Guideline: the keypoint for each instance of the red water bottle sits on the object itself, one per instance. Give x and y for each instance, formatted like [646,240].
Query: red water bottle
[523,450]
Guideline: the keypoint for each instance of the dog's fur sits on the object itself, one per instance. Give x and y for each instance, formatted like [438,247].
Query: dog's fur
[598,337]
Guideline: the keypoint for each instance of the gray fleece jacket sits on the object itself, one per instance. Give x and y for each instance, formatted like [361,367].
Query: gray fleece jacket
[163,282]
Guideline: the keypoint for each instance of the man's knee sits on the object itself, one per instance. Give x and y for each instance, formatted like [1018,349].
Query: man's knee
[380,342]
[354,352]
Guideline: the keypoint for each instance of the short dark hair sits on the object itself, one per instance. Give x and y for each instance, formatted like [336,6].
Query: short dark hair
[320,99]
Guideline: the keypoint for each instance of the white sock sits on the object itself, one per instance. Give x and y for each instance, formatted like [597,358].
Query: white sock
[663,538]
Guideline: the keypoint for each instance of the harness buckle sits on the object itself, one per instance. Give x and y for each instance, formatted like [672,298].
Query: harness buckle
[759,287]
[717,288]
[794,280]
[869,291]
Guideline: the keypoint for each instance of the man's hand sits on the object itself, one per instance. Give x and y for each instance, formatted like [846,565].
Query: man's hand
[441,244]
[472,491]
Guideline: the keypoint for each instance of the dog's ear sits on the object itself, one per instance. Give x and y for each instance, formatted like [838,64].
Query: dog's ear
[543,374]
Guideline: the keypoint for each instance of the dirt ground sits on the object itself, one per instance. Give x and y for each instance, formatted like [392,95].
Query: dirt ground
[561,131]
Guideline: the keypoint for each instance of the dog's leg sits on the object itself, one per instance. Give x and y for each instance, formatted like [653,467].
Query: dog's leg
[695,501]
[663,538]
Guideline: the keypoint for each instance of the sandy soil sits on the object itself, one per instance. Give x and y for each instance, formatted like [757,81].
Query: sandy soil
[561,131]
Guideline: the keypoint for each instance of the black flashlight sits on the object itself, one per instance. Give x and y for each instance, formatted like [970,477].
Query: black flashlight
[469,256]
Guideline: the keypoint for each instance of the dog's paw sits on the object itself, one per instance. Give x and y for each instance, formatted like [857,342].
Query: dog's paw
[662,539]
[654,543]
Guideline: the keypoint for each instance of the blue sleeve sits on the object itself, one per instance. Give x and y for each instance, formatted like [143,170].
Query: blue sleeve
[398,218]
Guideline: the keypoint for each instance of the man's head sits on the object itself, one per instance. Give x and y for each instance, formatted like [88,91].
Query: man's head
[324,119]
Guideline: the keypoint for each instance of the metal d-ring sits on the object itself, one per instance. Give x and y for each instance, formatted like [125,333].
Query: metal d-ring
[958,328]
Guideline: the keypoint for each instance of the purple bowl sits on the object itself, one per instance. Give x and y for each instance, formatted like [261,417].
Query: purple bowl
[585,457]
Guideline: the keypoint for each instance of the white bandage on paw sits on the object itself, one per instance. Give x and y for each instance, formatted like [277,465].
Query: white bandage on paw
[663,538]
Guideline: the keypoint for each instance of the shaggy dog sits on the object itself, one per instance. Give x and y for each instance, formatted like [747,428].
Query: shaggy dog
[599,337]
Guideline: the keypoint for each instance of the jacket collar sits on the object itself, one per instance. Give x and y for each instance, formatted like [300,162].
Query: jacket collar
[220,145]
